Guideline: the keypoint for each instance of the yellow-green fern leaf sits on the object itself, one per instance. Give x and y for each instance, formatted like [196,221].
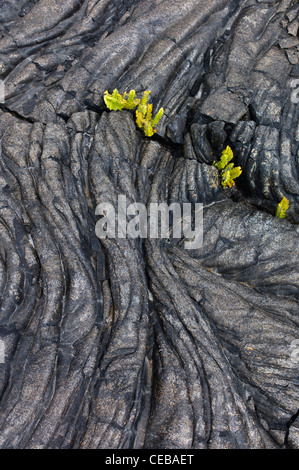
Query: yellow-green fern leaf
[282,207]
[144,116]
[157,117]
[139,119]
[228,172]
[233,174]
[149,112]
[147,128]
[145,97]
[132,102]
[226,157]
[226,179]
[142,108]
[115,101]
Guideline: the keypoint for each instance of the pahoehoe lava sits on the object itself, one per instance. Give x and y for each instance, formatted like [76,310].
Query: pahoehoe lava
[141,343]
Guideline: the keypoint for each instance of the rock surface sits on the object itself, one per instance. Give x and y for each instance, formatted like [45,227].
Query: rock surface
[142,343]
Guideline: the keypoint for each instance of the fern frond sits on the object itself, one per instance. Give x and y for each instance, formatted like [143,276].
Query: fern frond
[115,101]
[157,117]
[147,128]
[131,101]
[232,173]
[144,124]
[228,171]
[235,172]
[142,108]
[145,98]
[139,119]
[144,111]
[149,112]
[226,157]
[282,207]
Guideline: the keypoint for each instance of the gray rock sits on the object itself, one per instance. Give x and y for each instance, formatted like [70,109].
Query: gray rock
[141,342]
[293,28]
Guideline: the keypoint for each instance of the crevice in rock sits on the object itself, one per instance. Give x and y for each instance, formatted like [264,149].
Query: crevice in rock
[15,114]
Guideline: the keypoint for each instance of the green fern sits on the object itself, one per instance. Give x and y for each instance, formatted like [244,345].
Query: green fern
[132,102]
[143,105]
[228,172]
[117,102]
[157,118]
[144,119]
[282,207]
[226,156]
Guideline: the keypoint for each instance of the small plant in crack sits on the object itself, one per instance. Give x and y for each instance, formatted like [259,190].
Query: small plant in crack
[228,171]
[144,118]
[116,102]
[282,207]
